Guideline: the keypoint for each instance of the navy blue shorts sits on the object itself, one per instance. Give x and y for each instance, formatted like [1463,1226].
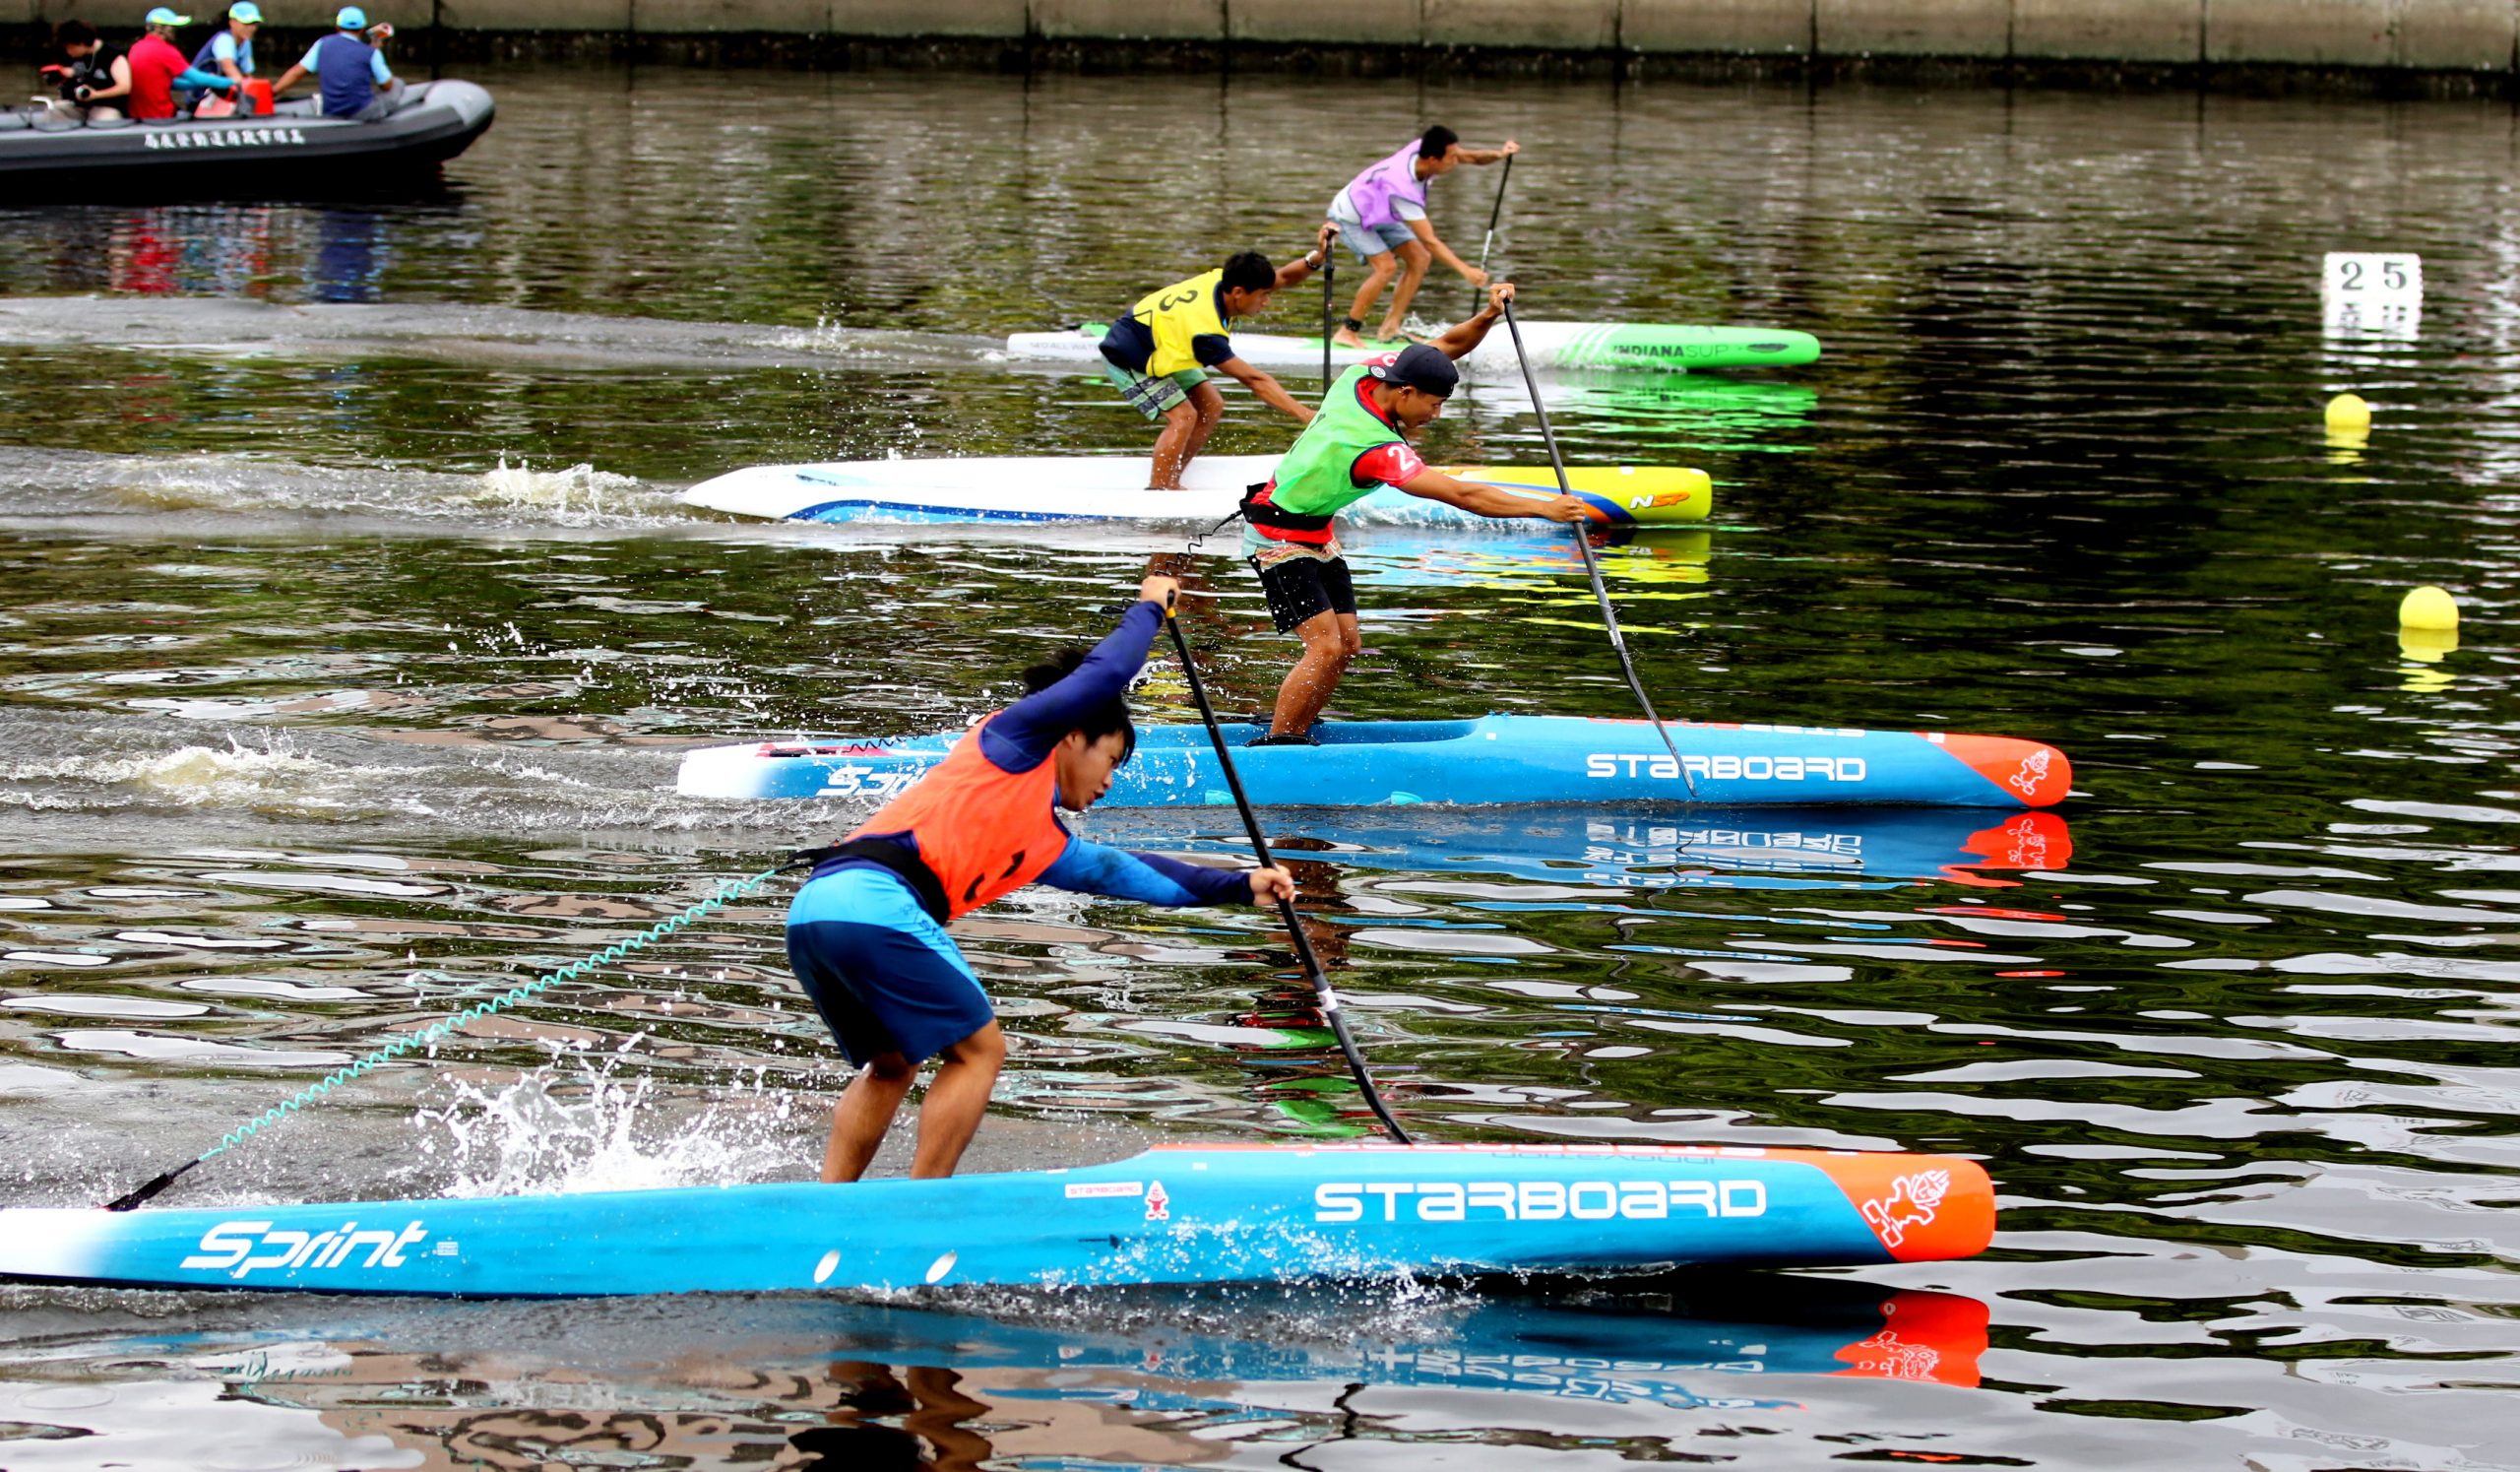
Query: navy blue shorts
[885,976]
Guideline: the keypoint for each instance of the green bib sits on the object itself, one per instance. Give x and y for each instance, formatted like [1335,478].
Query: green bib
[1317,477]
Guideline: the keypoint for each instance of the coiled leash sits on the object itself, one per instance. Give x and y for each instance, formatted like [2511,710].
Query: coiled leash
[316,1092]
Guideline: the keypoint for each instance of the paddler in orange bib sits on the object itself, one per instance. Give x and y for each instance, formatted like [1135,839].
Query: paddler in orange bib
[866,933]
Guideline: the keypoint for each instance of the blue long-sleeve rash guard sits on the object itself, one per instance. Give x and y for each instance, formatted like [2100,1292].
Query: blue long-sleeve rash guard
[1022,736]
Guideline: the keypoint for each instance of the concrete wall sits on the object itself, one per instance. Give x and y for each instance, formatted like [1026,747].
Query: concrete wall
[2476,37]
[2152,32]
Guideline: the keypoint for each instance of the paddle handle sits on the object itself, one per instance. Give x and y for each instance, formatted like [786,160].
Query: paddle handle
[1286,905]
[1583,546]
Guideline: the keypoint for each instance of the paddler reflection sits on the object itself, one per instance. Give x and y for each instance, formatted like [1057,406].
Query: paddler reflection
[1681,410]
[866,933]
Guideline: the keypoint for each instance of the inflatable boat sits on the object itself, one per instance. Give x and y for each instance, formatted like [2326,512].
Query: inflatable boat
[294,151]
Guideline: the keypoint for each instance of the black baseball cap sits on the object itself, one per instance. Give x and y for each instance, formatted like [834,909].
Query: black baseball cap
[1423,369]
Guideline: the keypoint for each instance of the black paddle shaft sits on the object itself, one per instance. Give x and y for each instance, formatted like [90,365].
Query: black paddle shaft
[1592,568]
[1329,274]
[1495,213]
[1286,905]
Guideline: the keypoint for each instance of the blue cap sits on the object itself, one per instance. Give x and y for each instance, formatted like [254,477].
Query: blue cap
[161,16]
[246,11]
[351,17]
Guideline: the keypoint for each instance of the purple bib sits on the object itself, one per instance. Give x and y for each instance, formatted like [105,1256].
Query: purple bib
[1394,178]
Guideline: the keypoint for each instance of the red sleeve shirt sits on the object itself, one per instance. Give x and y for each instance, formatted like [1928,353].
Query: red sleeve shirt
[1391,464]
[1394,463]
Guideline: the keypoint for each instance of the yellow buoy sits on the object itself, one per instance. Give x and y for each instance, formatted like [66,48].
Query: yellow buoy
[2429,608]
[2348,414]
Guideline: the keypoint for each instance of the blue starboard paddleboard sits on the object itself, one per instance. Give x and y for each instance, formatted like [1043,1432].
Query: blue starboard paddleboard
[1174,1215]
[1494,759]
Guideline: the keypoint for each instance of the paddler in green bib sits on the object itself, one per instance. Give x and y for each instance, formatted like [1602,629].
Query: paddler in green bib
[1357,442]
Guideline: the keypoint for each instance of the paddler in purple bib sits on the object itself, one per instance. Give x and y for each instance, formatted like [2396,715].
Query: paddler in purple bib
[1382,214]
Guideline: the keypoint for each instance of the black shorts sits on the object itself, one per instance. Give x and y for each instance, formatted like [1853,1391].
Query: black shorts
[1303,587]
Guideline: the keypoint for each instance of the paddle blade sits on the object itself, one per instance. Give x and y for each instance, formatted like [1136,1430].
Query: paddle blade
[1640,496]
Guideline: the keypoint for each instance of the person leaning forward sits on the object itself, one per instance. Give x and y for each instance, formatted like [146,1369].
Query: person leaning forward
[159,68]
[96,81]
[1159,354]
[1359,442]
[229,52]
[1382,214]
[866,932]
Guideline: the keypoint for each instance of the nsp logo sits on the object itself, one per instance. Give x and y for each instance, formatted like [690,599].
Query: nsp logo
[1539,1200]
[1726,768]
[230,1248]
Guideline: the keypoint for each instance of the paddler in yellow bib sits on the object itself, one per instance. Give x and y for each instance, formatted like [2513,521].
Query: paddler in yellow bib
[1359,444]
[1160,354]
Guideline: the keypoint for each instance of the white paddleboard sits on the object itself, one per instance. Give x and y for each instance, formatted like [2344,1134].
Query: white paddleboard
[1113,488]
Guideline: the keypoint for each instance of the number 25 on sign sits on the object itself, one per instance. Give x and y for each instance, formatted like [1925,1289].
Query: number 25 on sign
[2373,293]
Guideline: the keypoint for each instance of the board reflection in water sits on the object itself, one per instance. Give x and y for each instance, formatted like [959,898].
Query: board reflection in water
[1135,1378]
[1639,848]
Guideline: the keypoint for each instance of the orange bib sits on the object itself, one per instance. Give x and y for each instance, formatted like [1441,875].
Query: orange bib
[981,831]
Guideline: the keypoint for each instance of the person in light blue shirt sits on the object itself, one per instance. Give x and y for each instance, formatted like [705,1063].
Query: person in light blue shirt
[231,52]
[351,74]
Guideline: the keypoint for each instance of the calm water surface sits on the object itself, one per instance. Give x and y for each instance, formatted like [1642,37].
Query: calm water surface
[349,637]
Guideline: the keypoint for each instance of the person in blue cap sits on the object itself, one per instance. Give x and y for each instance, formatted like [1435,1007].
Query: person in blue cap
[1357,442]
[231,49]
[159,70]
[351,74]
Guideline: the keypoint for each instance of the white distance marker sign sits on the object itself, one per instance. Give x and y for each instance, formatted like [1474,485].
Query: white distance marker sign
[2373,293]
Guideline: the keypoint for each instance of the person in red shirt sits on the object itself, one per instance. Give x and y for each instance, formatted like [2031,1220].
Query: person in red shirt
[159,66]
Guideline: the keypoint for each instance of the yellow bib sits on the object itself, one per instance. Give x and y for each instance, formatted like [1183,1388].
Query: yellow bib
[1176,314]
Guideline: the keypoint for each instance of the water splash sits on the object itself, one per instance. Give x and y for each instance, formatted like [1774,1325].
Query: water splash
[274,782]
[580,1125]
[50,482]
[577,492]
